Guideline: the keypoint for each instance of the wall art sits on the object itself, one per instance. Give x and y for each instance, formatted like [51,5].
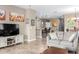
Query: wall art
[16,17]
[2,14]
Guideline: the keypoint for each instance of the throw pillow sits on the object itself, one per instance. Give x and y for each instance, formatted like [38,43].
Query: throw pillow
[72,37]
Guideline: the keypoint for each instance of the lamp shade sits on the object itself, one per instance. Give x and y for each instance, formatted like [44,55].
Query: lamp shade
[55,22]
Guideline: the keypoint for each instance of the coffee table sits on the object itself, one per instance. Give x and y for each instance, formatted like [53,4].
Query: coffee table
[54,50]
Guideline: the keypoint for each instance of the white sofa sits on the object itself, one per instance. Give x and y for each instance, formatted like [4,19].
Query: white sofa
[68,40]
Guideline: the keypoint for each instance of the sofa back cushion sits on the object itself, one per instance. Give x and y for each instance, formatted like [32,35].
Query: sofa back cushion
[60,35]
[69,36]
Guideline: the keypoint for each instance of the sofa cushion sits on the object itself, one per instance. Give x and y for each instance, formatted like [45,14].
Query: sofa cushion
[66,43]
[53,35]
[56,42]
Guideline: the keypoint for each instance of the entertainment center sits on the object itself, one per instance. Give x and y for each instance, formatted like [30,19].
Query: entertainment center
[11,25]
[9,35]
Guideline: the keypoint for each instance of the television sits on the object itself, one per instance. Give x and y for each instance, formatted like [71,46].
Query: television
[9,29]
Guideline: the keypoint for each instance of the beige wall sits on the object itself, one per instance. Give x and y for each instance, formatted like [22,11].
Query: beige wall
[8,9]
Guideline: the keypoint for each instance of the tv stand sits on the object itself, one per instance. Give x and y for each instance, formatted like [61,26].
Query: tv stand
[10,40]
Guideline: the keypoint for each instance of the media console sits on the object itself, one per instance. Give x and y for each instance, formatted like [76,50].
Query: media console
[10,40]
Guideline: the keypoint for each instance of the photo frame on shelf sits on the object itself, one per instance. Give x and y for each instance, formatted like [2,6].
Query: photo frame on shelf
[16,17]
[32,22]
[2,14]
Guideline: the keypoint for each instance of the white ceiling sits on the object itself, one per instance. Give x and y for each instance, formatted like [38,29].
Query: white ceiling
[50,11]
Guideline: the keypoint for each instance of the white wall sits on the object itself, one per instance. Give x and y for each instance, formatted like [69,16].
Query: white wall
[30,31]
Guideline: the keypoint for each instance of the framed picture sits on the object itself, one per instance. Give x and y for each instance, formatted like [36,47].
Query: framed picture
[70,24]
[2,14]
[32,22]
[16,17]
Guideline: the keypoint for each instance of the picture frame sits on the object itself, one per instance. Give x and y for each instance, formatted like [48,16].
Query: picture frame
[2,14]
[32,22]
[16,17]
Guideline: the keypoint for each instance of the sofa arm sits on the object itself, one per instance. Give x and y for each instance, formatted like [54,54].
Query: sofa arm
[75,41]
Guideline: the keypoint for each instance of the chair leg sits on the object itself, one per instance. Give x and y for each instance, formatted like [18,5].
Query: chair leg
[75,52]
[48,46]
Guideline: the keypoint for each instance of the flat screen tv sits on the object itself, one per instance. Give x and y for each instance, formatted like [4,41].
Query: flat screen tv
[9,29]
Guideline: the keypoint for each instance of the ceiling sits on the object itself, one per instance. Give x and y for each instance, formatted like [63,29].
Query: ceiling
[49,11]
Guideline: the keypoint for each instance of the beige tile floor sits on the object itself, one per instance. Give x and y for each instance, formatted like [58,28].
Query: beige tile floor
[34,47]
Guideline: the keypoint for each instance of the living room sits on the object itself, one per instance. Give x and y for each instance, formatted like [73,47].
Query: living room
[39,29]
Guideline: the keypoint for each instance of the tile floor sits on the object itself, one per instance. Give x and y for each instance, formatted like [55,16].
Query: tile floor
[34,47]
